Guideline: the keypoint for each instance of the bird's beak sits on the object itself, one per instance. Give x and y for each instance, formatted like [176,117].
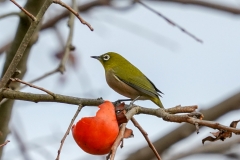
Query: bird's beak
[96,57]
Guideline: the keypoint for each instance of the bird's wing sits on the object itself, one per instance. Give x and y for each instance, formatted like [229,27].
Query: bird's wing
[140,83]
[160,92]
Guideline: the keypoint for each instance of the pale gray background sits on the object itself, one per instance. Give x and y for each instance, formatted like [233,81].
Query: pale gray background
[186,71]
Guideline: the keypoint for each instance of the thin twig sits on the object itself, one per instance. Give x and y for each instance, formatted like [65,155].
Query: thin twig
[24,10]
[170,21]
[68,45]
[74,12]
[118,140]
[68,130]
[82,8]
[31,85]
[10,14]
[144,133]
[5,143]
[32,81]
[206,4]
[41,77]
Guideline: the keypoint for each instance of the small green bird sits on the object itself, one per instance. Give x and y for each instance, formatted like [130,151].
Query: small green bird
[128,80]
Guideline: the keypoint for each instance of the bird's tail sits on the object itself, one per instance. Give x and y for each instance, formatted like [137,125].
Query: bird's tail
[157,101]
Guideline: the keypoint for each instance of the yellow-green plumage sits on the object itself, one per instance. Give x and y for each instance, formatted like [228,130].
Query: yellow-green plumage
[128,80]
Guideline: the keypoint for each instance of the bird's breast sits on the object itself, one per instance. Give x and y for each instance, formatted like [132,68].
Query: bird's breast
[120,87]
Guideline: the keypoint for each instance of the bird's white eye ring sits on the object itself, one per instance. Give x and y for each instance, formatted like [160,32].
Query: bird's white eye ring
[106,57]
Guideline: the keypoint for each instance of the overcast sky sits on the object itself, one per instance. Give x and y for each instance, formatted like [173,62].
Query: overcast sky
[186,71]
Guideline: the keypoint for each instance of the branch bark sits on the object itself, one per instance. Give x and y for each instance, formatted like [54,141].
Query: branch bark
[31,97]
[163,143]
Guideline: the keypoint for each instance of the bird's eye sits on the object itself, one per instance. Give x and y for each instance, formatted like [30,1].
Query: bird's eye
[106,57]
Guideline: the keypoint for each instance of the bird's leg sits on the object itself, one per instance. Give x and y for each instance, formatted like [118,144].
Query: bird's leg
[131,103]
[120,100]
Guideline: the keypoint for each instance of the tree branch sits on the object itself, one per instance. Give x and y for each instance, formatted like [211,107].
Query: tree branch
[119,138]
[163,143]
[205,4]
[144,133]
[27,38]
[40,77]
[68,130]
[81,8]
[5,143]
[31,85]
[189,118]
[170,21]
[68,46]
[9,14]
[11,94]
[74,12]
[24,10]
[161,113]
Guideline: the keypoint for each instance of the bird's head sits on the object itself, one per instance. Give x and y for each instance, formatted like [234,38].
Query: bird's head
[110,59]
